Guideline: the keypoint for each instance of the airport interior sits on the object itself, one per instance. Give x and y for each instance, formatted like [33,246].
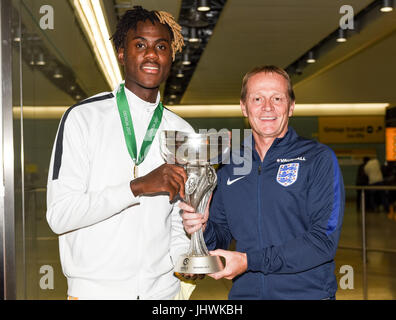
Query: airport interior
[339,54]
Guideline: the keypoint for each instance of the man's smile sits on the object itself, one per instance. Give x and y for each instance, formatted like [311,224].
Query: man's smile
[150,68]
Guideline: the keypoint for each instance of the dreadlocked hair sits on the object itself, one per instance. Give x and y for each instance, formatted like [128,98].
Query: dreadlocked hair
[131,18]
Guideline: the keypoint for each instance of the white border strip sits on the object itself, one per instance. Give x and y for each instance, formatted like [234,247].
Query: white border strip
[227,111]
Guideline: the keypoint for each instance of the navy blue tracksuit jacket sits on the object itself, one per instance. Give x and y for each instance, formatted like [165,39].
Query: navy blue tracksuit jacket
[286,214]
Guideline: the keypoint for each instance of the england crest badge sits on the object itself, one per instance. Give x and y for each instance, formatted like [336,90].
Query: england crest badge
[287,174]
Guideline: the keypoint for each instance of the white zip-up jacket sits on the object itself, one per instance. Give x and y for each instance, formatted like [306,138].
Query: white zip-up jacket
[112,244]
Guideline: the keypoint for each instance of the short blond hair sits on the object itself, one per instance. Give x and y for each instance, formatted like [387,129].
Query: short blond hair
[267,69]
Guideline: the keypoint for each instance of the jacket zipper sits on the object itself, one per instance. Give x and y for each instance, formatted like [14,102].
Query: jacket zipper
[259,224]
[259,203]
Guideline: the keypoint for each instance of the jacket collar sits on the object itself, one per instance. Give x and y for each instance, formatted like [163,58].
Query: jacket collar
[290,136]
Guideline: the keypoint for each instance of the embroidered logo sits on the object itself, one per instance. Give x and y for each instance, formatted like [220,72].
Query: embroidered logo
[290,160]
[230,182]
[287,174]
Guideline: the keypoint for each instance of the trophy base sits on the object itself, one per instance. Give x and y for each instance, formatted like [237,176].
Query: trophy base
[198,264]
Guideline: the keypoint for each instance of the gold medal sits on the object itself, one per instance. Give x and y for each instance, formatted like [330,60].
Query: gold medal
[135,171]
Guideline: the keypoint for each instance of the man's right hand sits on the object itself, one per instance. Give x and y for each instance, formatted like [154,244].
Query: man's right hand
[167,178]
[193,221]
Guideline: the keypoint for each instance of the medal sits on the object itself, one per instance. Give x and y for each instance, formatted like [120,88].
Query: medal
[129,132]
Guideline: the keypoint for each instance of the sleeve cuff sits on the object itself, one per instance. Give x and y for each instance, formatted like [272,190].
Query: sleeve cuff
[209,236]
[254,260]
[127,196]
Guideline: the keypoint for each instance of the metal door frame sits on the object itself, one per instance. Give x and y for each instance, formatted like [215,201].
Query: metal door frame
[7,210]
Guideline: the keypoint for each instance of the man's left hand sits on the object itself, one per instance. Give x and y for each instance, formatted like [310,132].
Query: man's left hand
[236,263]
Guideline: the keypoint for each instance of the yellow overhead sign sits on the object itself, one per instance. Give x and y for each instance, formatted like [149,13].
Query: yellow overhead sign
[352,129]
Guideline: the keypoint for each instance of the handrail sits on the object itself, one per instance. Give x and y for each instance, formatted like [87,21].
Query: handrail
[381,250]
[382,187]
[39,189]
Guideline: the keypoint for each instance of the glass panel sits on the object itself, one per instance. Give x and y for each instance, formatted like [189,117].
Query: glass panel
[52,66]
[18,194]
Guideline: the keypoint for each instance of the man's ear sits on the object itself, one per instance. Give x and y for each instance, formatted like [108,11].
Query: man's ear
[243,108]
[120,56]
[291,109]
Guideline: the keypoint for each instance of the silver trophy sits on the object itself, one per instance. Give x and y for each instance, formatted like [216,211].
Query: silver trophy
[196,153]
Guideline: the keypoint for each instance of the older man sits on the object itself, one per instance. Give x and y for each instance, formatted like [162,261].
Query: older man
[285,214]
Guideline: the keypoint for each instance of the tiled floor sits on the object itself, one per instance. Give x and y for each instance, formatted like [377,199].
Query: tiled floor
[42,249]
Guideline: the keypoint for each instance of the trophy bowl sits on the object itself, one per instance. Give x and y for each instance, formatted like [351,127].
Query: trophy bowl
[196,152]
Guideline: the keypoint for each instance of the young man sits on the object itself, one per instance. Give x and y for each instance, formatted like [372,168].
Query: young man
[286,214]
[109,191]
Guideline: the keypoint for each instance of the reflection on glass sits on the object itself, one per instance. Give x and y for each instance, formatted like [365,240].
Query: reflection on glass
[51,67]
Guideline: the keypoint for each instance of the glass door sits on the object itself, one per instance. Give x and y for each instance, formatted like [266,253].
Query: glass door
[53,68]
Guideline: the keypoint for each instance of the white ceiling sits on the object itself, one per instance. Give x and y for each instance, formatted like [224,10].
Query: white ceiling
[248,33]
[254,32]
[172,6]
[364,70]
